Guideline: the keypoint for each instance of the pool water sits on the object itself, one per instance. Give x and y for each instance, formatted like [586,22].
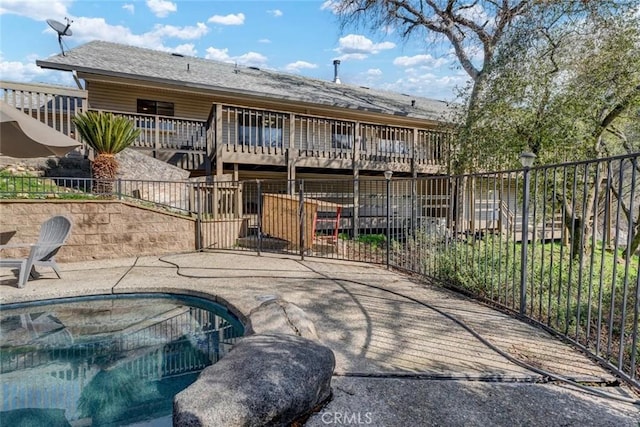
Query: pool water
[106,361]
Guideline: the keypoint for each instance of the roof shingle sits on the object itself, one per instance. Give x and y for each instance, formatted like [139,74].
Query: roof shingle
[100,57]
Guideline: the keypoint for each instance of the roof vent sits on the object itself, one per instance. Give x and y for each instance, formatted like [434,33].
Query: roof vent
[413,102]
[336,65]
[179,55]
[254,68]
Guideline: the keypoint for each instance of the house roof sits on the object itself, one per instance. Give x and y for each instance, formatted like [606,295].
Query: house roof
[118,60]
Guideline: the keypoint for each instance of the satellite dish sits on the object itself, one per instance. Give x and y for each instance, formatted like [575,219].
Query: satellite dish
[61,29]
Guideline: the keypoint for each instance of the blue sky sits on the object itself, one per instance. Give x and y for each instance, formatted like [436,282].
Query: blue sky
[297,36]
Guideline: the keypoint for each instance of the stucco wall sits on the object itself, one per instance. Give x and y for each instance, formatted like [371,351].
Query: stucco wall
[101,229]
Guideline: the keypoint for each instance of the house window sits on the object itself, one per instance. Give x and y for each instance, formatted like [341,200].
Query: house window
[161,108]
[260,130]
[342,136]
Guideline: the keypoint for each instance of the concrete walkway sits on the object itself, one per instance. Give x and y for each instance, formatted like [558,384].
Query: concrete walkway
[407,353]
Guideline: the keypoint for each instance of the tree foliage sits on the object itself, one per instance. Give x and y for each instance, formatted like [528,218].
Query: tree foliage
[529,64]
[569,93]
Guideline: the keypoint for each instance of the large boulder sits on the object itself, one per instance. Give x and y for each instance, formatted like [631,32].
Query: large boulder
[264,380]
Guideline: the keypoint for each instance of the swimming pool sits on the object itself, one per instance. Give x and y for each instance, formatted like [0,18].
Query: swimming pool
[107,360]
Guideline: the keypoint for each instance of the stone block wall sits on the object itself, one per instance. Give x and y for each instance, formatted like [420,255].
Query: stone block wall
[101,229]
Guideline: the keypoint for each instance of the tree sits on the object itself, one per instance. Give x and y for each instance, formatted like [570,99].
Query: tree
[571,93]
[476,30]
[555,77]
[107,135]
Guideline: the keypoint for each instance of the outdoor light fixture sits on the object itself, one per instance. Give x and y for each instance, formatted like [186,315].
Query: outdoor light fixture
[527,158]
[387,175]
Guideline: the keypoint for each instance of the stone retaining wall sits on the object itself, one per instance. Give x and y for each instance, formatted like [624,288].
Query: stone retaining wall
[101,229]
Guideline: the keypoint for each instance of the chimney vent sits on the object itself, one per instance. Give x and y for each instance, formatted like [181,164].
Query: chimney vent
[413,102]
[336,65]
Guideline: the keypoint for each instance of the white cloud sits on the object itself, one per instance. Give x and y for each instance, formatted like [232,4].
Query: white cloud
[130,8]
[184,33]
[276,13]
[295,67]
[36,9]
[187,49]
[161,8]
[231,19]
[248,59]
[252,59]
[374,72]
[426,61]
[430,85]
[356,44]
[218,54]
[265,41]
[87,29]
[336,6]
[329,5]
[29,72]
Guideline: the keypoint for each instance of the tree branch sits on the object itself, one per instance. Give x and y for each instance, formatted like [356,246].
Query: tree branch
[615,112]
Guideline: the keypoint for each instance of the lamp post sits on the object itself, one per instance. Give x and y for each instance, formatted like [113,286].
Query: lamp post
[526,159]
[387,175]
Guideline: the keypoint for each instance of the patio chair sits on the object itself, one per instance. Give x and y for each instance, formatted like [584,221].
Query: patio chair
[53,234]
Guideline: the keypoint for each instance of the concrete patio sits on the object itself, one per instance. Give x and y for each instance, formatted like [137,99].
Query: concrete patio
[407,353]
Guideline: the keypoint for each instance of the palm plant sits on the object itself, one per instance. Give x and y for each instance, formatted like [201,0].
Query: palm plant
[107,135]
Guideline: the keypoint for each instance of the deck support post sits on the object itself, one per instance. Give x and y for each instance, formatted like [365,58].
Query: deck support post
[218,139]
[356,180]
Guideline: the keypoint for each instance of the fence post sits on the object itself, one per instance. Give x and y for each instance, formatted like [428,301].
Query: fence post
[259,245]
[387,177]
[301,217]
[198,217]
[119,188]
[527,161]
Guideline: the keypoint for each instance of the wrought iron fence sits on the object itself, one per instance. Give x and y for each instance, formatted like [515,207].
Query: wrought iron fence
[190,197]
[557,244]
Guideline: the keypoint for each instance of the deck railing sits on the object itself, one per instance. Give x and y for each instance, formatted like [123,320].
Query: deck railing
[251,131]
[167,133]
[53,105]
[246,130]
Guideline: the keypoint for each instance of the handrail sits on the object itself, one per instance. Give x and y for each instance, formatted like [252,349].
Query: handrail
[505,211]
[129,113]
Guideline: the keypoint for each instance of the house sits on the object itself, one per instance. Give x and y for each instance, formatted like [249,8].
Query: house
[215,118]
[233,123]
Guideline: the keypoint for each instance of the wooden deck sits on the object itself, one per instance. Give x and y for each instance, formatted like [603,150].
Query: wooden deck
[269,138]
